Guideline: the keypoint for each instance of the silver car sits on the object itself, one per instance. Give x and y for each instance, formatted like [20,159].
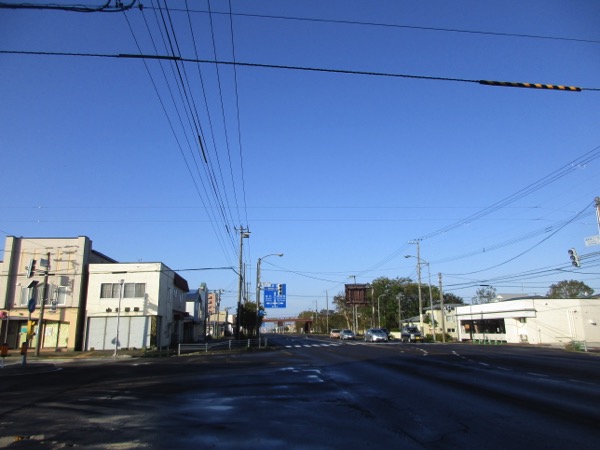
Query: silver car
[376,335]
[347,335]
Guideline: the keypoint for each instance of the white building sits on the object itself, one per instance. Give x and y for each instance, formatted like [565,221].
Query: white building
[534,320]
[145,302]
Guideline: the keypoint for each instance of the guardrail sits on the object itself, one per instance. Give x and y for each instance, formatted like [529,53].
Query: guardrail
[490,341]
[228,344]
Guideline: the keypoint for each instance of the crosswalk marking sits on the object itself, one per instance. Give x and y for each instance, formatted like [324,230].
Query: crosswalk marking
[325,344]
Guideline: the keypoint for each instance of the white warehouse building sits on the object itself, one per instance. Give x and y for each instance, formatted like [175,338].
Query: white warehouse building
[533,320]
[146,300]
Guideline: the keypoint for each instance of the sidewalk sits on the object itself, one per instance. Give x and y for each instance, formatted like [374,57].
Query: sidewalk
[13,365]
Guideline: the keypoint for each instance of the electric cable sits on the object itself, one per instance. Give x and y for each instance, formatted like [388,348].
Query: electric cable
[105,7]
[267,66]
[401,26]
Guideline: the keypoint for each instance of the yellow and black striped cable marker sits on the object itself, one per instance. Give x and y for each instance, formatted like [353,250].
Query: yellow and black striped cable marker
[530,85]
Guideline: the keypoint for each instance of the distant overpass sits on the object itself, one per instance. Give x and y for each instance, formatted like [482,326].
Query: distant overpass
[285,319]
[281,321]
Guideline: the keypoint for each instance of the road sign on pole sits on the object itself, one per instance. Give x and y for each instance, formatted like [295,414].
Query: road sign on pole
[275,296]
[592,240]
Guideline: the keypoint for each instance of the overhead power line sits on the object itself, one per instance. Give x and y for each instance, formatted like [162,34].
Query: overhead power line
[395,25]
[104,7]
[302,68]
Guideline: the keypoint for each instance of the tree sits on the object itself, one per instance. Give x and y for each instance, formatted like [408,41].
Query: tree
[484,294]
[569,289]
[452,299]
[249,319]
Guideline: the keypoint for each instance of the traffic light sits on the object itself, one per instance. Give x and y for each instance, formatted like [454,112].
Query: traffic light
[280,289]
[30,328]
[574,257]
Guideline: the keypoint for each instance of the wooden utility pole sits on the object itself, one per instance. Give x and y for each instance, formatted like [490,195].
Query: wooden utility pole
[244,233]
[41,328]
[442,308]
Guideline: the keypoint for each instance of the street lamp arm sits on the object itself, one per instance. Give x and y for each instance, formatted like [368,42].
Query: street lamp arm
[421,260]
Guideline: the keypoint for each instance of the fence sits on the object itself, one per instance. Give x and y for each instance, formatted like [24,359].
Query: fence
[223,345]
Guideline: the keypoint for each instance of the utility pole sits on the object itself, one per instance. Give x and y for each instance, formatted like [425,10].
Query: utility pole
[418,242]
[353,306]
[419,281]
[41,328]
[442,308]
[244,233]
[431,302]
[316,315]
[218,308]
[399,297]
[327,306]
[373,306]
[258,293]
[597,200]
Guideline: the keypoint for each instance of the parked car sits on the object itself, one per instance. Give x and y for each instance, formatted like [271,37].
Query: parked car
[334,333]
[347,335]
[376,335]
[389,335]
[411,334]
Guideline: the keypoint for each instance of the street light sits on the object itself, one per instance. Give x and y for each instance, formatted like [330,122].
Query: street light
[431,301]
[399,297]
[121,283]
[258,291]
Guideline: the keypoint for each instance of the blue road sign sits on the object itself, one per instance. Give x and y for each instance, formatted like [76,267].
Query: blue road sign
[275,296]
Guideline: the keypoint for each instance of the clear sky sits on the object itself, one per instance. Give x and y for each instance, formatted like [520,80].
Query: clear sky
[339,167]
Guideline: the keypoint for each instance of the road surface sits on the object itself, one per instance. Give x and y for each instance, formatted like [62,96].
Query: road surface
[312,393]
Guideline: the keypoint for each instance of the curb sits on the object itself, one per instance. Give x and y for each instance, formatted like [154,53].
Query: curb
[12,370]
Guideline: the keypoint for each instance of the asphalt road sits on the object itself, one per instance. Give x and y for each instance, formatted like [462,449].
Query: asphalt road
[310,393]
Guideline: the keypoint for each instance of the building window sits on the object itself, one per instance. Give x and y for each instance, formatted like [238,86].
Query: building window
[61,295]
[40,294]
[135,290]
[28,293]
[25,296]
[130,290]
[110,290]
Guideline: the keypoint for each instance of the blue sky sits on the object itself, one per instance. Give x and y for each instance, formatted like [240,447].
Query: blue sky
[338,171]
